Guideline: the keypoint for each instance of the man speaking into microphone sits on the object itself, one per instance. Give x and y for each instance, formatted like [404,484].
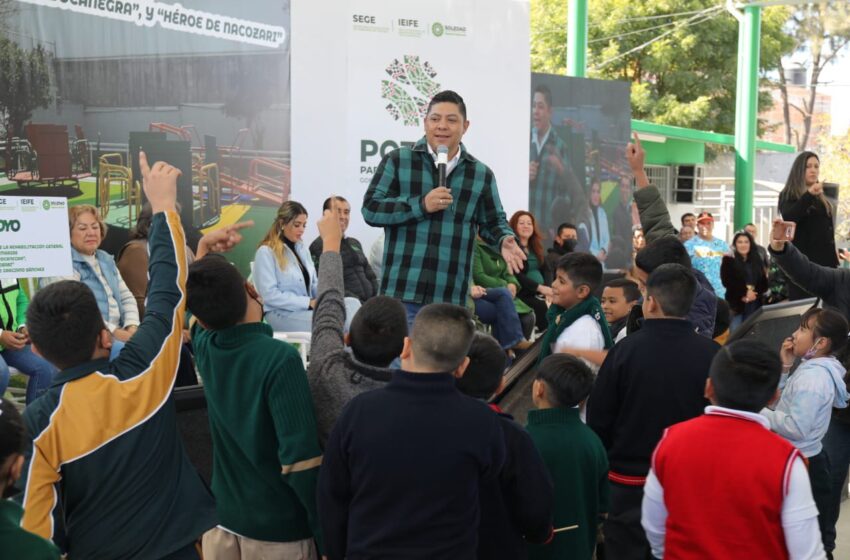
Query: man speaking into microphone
[431,206]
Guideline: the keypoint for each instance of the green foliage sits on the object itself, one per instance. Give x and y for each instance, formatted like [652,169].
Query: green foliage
[25,77]
[685,77]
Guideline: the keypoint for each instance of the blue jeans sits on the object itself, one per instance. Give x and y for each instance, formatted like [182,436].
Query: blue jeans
[39,370]
[836,445]
[496,308]
[302,320]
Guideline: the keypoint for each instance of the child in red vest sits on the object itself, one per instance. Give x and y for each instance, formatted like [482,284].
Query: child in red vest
[723,485]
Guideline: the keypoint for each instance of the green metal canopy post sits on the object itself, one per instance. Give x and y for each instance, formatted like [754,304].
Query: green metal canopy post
[577,38]
[749,30]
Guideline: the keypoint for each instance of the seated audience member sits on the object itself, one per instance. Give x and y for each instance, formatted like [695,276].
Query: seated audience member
[816,387]
[533,289]
[376,338]
[359,277]
[15,348]
[266,453]
[707,251]
[516,508]
[669,250]
[595,225]
[618,298]
[97,270]
[650,380]
[285,276]
[15,542]
[565,242]
[743,275]
[576,317]
[404,463]
[495,308]
[573,454]
[722,484]
[106,473]
[490,271]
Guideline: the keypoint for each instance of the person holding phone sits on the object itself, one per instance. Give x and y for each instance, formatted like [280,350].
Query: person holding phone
[803,202]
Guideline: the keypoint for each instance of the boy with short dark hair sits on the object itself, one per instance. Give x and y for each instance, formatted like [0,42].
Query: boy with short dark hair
[403,465]
[618,298]
[517,507]
[722,483]
[576,319]
[266,453]
[375,337]
[573,455]
[15,542]
[650,380]
[106,472]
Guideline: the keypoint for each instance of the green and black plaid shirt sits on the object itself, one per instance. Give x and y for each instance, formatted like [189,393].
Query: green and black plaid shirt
[427,257]
[550,181]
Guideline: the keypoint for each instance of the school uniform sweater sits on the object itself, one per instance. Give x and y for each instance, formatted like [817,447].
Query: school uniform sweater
[649,381]
[266,452]
[15,542]
[576,460]
[516,508]
[402,471]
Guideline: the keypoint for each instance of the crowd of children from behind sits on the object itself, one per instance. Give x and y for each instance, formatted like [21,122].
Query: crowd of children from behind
[687,446]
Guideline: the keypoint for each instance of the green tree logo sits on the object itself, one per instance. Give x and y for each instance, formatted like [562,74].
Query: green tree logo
[410,87]
[45,204]
[437,29]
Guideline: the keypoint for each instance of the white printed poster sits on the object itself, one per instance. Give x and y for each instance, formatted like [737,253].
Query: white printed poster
[388,59]
[34,237]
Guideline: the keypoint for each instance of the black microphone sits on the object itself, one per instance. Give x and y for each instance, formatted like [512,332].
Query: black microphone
[442,163]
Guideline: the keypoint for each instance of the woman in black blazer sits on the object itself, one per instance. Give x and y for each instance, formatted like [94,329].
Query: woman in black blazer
[743,275]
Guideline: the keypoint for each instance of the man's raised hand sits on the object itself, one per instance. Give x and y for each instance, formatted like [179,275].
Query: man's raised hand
[637,158]
[160,184]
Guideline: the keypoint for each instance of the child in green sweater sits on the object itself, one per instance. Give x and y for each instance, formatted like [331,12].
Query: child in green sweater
[266,453]
[15,542]
[574,455]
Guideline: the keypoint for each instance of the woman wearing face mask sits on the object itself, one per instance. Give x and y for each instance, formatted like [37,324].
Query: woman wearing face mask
[742,274]
[803,412]
[284,274]
[802,201]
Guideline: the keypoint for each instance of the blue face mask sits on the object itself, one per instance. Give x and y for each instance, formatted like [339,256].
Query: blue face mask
[812,351]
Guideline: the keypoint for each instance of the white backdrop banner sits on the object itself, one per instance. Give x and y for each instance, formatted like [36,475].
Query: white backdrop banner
[389,58]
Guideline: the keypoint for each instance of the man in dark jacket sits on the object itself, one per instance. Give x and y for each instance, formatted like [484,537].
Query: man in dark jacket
[404,463]
[359,278]
[564,243]
[662,245]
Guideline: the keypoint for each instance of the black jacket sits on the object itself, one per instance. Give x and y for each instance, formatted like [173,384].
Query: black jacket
[815,235]
[733,274]
[359,278]
[402,471]
[649,381]
[551,260]
[517,508]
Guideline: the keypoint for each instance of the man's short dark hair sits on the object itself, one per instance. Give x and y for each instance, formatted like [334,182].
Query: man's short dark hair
[215,292]
[327,203]
[441,336]
[631,290]
[377,331]
[544,90]
[582,268]
[748,225]
[745,375]
[63,321]
[566,225]
[486,366]
[674,287]
[448,96]
[686,215]
[666,250]
[568,380]
[12,435]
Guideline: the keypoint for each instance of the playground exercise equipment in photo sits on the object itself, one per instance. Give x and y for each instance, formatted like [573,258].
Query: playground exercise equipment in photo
[47,158]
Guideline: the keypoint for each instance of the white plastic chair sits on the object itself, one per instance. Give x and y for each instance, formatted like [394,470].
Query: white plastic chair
[300,340]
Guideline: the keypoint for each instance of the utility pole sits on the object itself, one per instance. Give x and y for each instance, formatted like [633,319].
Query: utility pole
[577,38]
